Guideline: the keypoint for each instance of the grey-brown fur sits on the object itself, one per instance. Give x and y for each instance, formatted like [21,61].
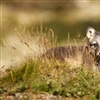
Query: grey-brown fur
[60,53]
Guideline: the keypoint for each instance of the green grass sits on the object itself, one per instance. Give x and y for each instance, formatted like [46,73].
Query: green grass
[38,75]
[54,77]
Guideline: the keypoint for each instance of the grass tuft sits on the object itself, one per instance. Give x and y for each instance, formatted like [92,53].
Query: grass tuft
[52,77]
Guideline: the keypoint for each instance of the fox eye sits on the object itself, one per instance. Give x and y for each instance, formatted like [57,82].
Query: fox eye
[95,44]
[90,31]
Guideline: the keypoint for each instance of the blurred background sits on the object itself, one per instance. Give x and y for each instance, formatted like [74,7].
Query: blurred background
[62,16]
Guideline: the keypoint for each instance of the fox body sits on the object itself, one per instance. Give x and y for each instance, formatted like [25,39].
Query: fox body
[76,55]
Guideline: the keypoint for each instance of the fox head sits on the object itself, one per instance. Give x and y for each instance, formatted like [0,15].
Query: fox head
[91,32]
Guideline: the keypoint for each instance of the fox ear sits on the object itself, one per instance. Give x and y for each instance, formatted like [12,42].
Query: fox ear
[90,32]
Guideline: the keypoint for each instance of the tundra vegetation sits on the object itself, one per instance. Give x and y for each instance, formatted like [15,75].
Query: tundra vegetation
[36,78]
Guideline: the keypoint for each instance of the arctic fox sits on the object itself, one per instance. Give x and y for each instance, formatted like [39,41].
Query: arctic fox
[88,55]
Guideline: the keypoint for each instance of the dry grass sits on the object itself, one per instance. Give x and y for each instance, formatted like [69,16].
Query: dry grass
[40,76]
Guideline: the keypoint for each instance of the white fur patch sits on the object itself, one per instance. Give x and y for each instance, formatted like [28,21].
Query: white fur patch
[94,42]
[90,33]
